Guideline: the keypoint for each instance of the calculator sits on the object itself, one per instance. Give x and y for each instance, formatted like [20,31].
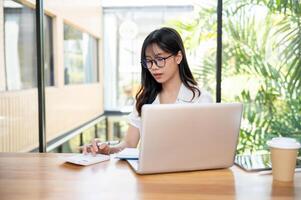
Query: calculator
[86,159]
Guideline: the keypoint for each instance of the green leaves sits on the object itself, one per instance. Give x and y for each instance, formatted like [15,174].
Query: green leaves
[289,7]
[274,56]
[261,42]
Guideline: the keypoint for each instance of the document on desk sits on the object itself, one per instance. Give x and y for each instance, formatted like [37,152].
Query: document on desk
[88,159]
[128,154]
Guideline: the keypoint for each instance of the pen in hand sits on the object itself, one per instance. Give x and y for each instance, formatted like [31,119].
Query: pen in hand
[101,145]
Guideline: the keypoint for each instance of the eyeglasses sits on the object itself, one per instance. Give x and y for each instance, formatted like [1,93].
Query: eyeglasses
[159,61]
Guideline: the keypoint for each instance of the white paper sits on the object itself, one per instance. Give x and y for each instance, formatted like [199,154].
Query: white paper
[128,153]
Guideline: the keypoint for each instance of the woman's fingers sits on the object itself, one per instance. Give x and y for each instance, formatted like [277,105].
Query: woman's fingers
[104,148]
[85,149]
[94,146]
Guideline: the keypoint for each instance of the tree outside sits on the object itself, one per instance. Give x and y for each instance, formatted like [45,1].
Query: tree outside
[261,64]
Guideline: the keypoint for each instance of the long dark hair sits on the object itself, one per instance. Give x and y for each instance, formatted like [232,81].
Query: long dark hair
[169,40]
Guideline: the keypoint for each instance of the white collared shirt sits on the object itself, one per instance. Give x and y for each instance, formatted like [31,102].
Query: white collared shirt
[184,96]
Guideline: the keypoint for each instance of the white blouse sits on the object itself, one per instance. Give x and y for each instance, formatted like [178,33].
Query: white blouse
[185,95]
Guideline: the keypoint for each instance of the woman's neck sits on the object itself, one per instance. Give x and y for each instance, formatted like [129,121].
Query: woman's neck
[170,90]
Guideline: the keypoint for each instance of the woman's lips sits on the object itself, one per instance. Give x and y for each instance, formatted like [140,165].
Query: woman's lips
[158,75]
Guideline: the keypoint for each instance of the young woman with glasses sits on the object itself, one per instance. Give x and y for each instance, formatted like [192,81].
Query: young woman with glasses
[165,78]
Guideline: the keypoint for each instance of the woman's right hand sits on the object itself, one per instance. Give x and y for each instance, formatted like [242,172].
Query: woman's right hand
[96,147]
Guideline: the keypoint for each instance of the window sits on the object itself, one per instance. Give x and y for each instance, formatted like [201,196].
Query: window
[125,30]
[20,47]
[261,68]
[80,56]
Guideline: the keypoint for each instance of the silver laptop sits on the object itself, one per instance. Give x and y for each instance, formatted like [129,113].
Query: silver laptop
[186,137]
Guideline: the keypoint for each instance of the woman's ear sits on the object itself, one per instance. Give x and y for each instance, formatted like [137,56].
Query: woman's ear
[179,57]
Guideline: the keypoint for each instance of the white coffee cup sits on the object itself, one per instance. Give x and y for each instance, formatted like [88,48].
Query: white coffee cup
[284,153]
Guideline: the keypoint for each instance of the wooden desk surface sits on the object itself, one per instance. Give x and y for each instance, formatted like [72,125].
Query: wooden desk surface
[46,176]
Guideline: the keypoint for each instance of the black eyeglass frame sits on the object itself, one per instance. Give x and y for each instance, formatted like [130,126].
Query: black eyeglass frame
[144,62]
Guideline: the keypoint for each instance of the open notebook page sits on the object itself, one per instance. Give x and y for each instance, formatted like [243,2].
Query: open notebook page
[128,154]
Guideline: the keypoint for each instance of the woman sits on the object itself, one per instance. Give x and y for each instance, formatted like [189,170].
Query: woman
[165,78]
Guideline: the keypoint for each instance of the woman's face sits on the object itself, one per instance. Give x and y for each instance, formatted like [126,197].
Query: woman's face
[168,63]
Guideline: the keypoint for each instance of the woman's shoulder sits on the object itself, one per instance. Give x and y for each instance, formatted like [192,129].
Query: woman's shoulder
[187,95]
[205,97]
[134,118]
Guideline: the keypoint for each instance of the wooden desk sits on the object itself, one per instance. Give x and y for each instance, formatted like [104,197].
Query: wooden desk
[46,176]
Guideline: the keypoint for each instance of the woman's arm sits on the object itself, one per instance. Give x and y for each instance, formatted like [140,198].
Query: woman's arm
[130,141]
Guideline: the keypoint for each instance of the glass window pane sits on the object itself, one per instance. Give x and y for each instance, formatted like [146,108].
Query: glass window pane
[80,56]
[48,51]
[261,68]
[77,97]
[125,30]
[18,109]
[66,107]
[20,47]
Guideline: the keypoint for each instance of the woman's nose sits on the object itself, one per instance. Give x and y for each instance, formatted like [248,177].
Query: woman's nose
[155,65]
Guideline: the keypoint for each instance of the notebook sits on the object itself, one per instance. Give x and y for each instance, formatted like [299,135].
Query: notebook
[128,154]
